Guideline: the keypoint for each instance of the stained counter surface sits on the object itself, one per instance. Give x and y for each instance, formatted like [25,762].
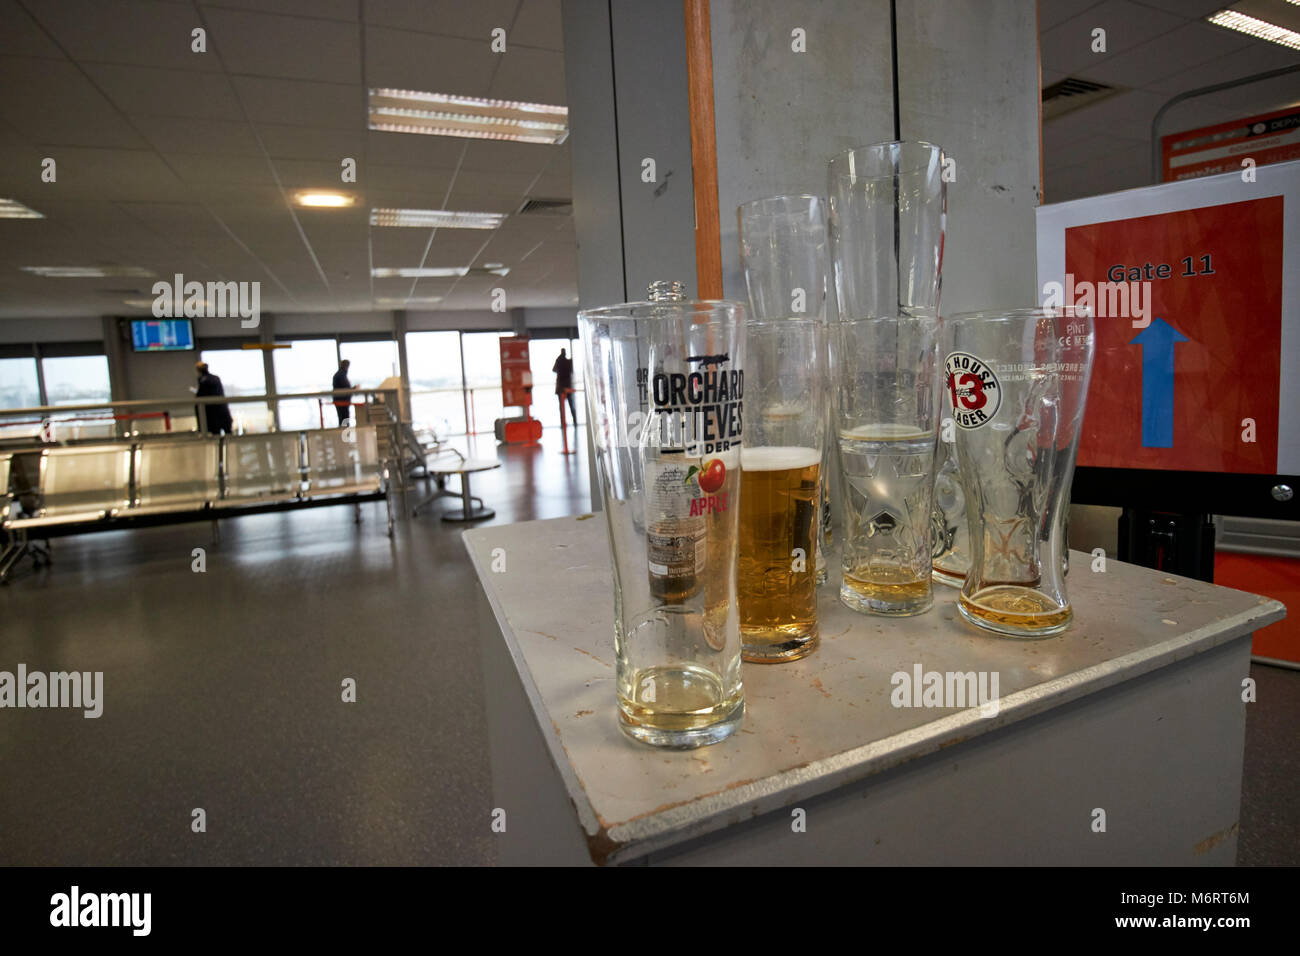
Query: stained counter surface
[822,722]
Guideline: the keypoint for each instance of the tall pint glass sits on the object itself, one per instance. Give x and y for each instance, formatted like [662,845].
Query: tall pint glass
[1017,383]
[783,251]
[887,208]
[665,387]
[952,542]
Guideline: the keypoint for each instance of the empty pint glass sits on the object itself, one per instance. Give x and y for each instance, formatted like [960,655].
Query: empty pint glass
[887,207]
[665,386]
[1016,383]
[783,251]
[952,542]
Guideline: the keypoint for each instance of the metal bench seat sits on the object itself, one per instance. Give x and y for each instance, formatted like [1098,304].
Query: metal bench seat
[176,476]
[80,484]
[263,468]
[343,461]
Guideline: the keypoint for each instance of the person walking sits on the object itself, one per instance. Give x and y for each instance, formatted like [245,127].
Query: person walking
[342,402]
[563,369]
[218,414]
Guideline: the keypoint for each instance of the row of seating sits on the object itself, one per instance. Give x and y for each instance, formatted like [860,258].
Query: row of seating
[203,476]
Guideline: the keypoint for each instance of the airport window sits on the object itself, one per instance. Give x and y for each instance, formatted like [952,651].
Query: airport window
[76,379]
[308,365]
[242,373]
[19,386]
[437,389]
[372,362]
[483,378]
[542,354]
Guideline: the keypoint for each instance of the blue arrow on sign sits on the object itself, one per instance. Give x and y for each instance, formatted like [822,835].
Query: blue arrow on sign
[1157,341]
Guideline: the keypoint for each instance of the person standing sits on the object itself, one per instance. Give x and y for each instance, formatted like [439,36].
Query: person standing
[342,402]
[563,369]
[218,415]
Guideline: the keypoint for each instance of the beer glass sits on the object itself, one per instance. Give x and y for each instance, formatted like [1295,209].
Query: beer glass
[783,251]
[665,384]
[1017,382]
[887,208]
[952,543]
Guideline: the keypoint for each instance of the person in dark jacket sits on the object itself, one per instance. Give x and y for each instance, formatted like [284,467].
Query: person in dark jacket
[342,402]
[218,415]
[563,369]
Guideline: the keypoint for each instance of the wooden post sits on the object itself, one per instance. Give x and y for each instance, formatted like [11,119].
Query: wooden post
[704,149]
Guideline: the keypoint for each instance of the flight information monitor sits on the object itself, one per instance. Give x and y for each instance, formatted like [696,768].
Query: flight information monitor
[162,335]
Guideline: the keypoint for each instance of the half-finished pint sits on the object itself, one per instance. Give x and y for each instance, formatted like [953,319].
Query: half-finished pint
[665,394]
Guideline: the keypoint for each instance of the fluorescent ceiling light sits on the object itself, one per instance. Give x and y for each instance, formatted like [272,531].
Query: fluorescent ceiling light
[89,272]
[452,272]
[1253,26]
[435,218]
[400,303]
[13,209]
[324,200]
[440,114]
[177,305]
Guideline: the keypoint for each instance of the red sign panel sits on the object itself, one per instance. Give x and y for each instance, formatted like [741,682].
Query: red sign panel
[516,378]
[1267,138]
[1195,385]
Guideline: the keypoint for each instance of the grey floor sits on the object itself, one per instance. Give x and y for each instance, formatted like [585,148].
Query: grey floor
[223,692]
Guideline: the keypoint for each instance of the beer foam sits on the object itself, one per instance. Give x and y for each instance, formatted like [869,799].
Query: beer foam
[778,458]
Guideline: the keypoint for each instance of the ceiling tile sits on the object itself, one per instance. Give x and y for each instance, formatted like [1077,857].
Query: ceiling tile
[1167,55]
[540,24]
[1067,48]
[312,142]
[420,61]
[456,18]
[183,134]
[22,36]
[531,76]
[137,89]
[288,47]
[327,9]
[52,102]
[301,103]
[136,32]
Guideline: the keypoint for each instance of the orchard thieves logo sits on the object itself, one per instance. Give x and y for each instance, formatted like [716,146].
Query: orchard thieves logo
[974,390]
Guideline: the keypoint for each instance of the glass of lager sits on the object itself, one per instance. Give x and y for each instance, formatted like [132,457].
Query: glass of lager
[1016,383]
[665,387]
[783,251]
[887,209]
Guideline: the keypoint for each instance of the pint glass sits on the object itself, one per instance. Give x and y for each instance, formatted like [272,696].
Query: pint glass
[1017,383]
[887,207]
[783,251]
[665,385]
[951,540]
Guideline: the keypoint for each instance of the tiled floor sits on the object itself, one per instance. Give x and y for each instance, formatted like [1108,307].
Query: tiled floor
[222,691]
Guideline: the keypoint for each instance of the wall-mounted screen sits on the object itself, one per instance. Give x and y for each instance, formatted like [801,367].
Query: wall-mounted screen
[162,335]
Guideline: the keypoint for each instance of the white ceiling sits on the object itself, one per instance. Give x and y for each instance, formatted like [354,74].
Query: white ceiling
[185,162]
[1155,50]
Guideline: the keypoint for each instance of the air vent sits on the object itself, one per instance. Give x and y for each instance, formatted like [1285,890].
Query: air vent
[1071,94]
[546,207]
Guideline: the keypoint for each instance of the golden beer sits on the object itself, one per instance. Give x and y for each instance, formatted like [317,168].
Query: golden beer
[777,579]
[1015,610]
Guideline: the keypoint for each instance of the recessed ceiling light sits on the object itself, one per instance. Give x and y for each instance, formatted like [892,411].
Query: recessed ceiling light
[324,200]
[435,218]
[1253,26]
[13,209]
[446,272]
[441,114]
[89,272]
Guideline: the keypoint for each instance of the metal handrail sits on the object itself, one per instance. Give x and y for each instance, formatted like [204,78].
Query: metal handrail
[190,400]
